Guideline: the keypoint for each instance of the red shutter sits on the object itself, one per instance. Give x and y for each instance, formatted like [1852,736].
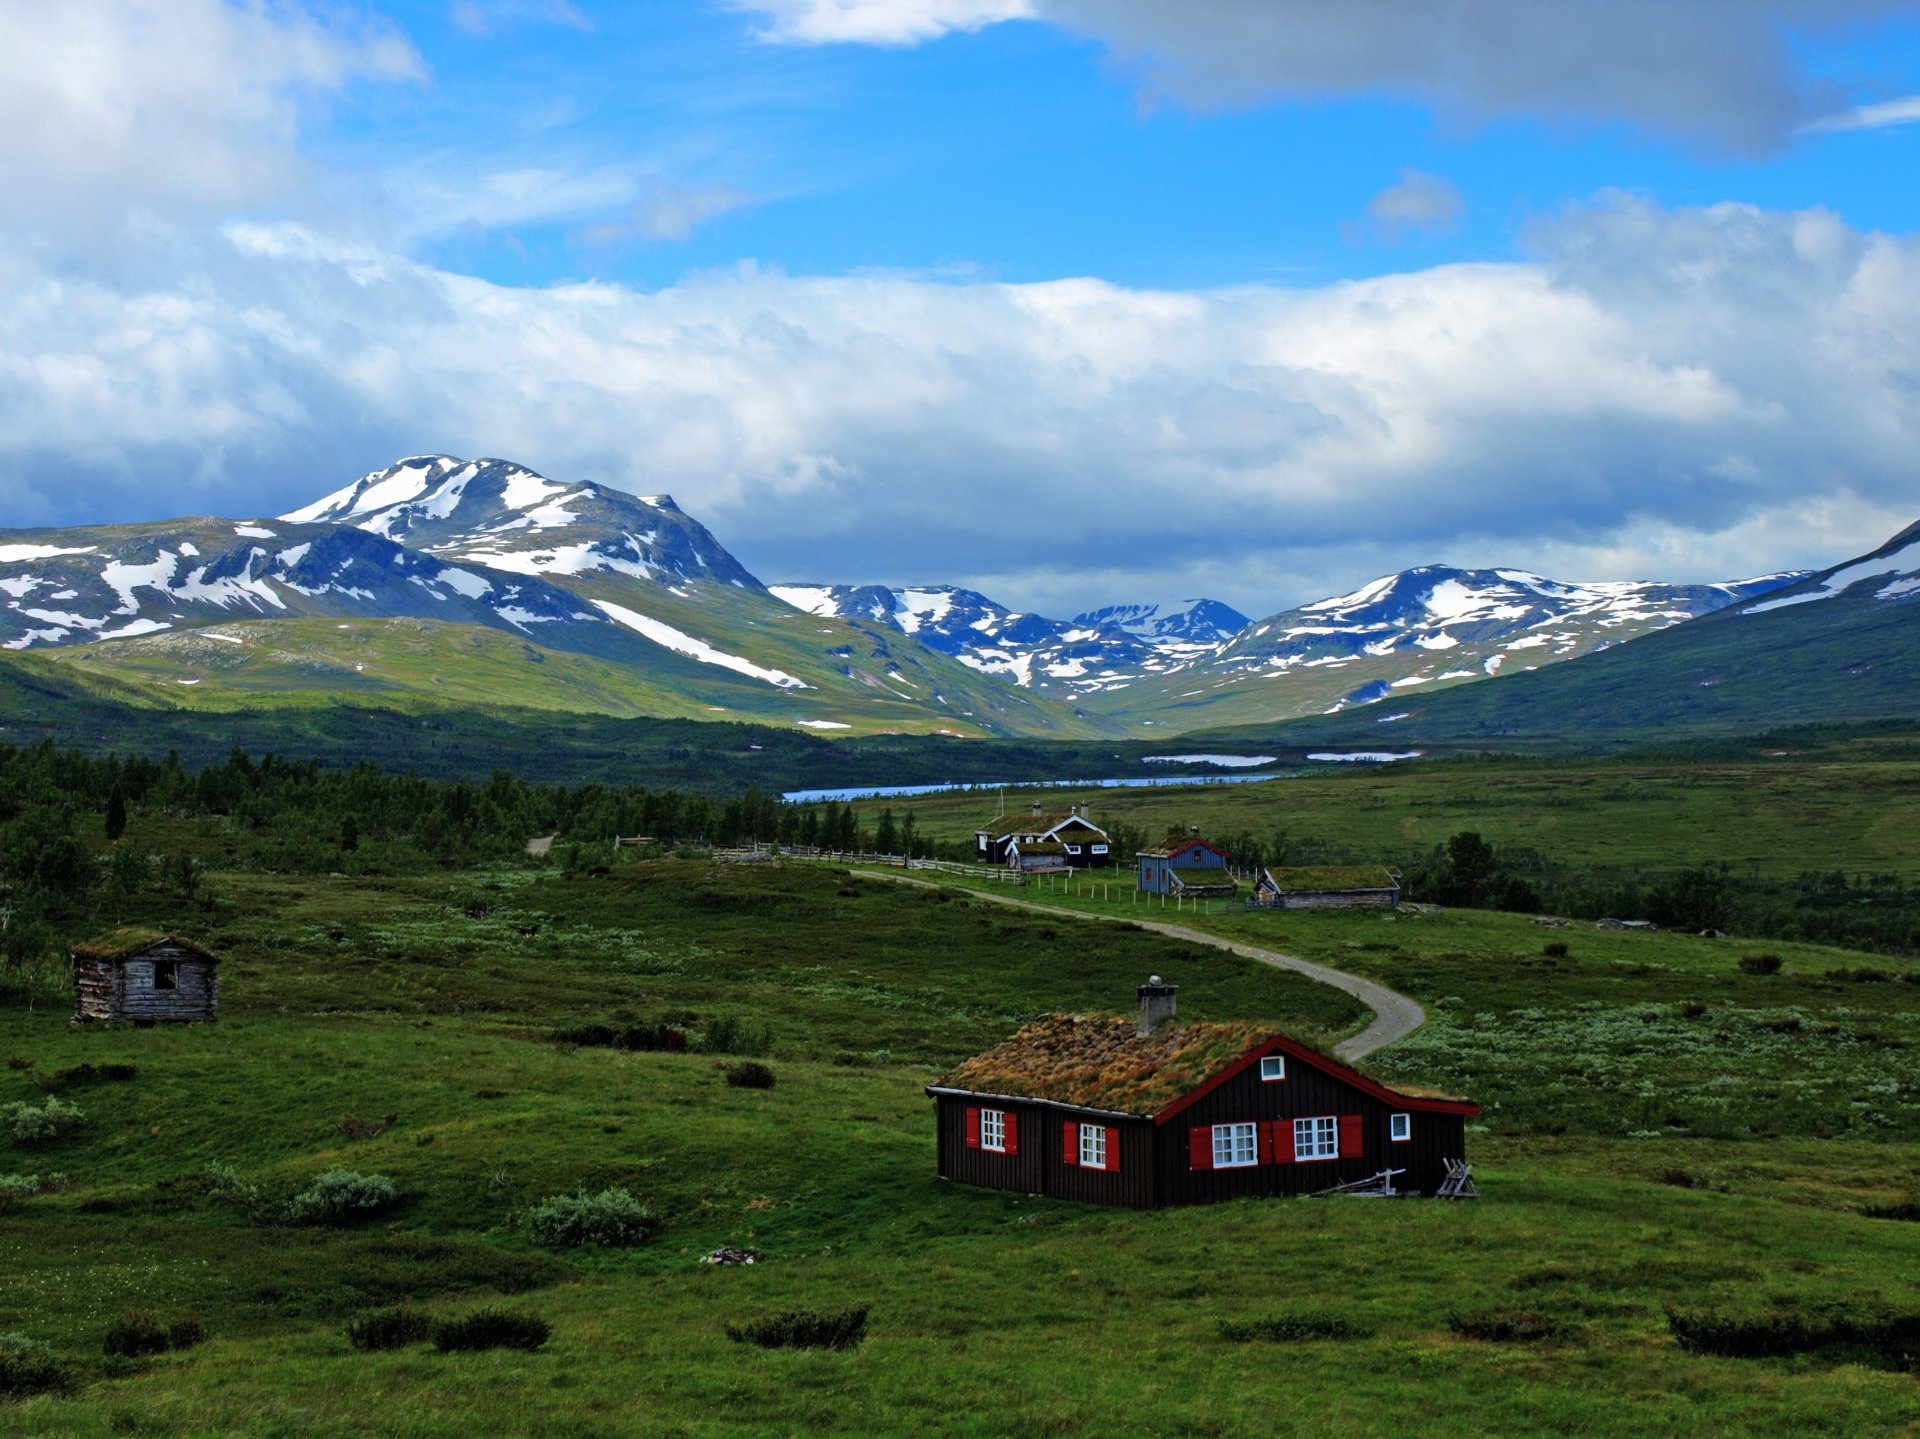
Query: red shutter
[1113,1147]
[973,1127]
[1265,1131]
[1283,1141]
[1070,1144]
[1012,1131]
[1200,1147]
[1352,1146]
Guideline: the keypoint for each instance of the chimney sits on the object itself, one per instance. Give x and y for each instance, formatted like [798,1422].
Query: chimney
[1156,1005]
[1036,809]
[1193,831]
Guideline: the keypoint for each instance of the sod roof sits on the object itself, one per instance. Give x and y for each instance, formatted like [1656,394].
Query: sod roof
[125,943]
[1174,843]
[1098,1061]
[1332,877]
[1000,826]
[1198,878]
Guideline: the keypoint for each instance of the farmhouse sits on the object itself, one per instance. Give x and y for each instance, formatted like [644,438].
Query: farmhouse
[1352,886]
[144,976]
[1147,1112]
[1185,864]
[1083,844]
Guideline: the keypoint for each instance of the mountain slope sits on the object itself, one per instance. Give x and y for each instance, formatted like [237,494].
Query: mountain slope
[1842,645]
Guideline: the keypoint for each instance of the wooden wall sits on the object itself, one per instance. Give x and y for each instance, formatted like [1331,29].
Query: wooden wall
[124,989]
[1040,1167]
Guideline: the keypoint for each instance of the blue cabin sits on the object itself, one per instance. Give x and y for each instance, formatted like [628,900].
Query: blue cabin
[1185,865]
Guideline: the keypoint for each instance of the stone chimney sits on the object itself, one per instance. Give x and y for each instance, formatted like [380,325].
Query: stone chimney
[1156,1004]
[1035,811]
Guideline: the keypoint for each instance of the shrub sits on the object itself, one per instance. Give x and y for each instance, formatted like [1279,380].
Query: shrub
[1293,1328]
[224,1184]
[1908,1210]
[1860,976]
[1556,949]
[341,1196]
[728,1034]
[186,1330]
[1692,1009]
[613,1217]
[490,1329]
[133,1335]
[1500,1326]
[803,1329]
[643,1037]
[750,1074]
[81,1074]
[41,1124]
[1881,1336]
[28,1367]
[1760,963]
[388,1329]
[16,1189]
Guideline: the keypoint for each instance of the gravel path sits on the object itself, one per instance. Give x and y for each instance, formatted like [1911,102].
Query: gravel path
[1394,1015]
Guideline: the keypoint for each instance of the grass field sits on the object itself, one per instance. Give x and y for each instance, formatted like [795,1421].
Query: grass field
[422,1003]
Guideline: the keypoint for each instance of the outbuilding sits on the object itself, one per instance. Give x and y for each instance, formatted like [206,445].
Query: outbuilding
[144,976]
[1148,1112]
[1185,864]
[1348,886]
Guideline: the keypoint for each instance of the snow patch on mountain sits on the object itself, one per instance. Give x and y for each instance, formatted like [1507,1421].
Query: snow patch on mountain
[680,642]
[1896,564]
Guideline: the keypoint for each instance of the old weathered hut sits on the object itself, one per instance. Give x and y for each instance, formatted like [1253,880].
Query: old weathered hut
[1349,886]
[144,976]
[1185,864]
[1148,1112]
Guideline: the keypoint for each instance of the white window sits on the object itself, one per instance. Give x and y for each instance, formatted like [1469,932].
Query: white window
[1073,849]
[1316,1138]
[1099,849]
[1093,1146]
[993,1129]
[1399,1127]
[1273,1066]
[1234,1146]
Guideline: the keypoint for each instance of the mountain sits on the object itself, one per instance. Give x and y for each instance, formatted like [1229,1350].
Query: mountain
[1841,645]
[1199,623]
[1431,626]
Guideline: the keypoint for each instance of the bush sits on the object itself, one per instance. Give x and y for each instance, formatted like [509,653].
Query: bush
[134,1335]
[803,1329]
[1882,1337]
[28,1367]
[341,1196]
[613,1217]
[186,1330]
[1293,1328]
[728,1034]
[1499,1326]
[1908,1210]
[1760,963]
[1692,1009]
[1557,949]
[224,1184]
[81,1074]
[1860,976]
[388,1329]
[749,1074]
[16,1189]
[657,1038]
[29,1124]
[490,1329]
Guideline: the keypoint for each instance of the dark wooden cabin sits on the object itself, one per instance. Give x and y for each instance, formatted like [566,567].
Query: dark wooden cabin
[1147,1112]
[1351,886]
[1083,844]
[1185,864]
[145,977]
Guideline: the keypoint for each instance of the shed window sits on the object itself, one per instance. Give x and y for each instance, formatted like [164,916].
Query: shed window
[1399,1127]
[1093,1146]
[1073,849]
[993,1129]
[166,974]
[1273,1066]
[1317,1138]
[1099,849]
[1235,1147]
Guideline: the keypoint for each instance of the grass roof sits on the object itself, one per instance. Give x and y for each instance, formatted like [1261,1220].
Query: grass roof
[1198,878]
[1000,826]
[1099,1061]
[127,942]
[1174,843]
[1333,877]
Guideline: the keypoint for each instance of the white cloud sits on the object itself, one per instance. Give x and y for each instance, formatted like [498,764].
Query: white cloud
[488,17]
[668,212]
[1655,392]
[1881,116]
[1418,203]
[877,22]
[110,107]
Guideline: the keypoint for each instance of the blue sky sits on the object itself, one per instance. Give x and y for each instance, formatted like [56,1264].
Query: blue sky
[1075,301]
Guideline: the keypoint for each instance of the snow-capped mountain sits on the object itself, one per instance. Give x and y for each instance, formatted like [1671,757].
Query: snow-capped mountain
[507,517]
[1029,650]
[1891,572]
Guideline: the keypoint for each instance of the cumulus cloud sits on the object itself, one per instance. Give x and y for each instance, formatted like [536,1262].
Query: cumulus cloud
[116,106]
[1418,204]
[1723,72]
[1678,386]
[877,22]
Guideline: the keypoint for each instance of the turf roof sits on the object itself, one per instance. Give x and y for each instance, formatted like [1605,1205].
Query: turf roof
[127,942]
[1098,1061]
[1334,876]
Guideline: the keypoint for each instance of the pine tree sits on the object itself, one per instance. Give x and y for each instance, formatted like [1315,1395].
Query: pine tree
[116,815]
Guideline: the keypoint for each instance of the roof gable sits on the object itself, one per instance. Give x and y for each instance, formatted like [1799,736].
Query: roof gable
[1175,845]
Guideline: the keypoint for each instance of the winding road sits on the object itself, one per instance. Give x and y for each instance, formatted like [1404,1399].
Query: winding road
[1394,1015]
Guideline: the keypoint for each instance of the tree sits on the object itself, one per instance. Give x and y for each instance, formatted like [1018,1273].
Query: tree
[887,837]
[116,815]
[349,832]
[907,831]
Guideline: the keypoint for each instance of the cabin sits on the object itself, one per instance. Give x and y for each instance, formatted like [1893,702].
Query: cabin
[1148,1112]
[1351,886]
[1083,844]
[146,977]
[1185,864]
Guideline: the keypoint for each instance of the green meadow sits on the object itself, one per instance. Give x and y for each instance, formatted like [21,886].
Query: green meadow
[1661,1129]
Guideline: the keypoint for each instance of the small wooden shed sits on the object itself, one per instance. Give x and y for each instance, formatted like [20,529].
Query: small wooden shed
[1350,886]
[144,976]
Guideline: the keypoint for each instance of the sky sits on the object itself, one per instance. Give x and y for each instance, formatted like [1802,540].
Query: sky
[1074,302]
